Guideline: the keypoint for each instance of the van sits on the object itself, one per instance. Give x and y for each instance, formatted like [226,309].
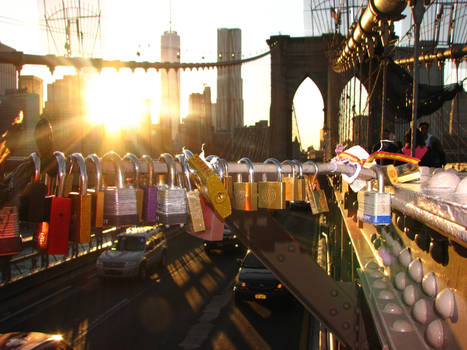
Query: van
[133,253]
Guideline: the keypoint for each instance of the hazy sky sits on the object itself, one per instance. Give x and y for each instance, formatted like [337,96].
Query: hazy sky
[136,26]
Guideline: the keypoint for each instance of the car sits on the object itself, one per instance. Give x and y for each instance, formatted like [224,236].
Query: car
[229,242]
[255,282]
[133,253]
[32,341]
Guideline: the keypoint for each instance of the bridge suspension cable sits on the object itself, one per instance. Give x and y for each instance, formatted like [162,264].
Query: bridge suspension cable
[20,59]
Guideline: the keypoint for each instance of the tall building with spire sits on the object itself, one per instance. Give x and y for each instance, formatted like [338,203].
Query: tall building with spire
[170,88]
[229,104]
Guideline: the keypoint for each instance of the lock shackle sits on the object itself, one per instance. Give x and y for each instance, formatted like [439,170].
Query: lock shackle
[148,160]
[134,159]
[186,171]
[115,159]
[94,158]
[292,166]
[379,177]
[61,172]
[299,166]
[251,170]
[188,154]
[37,166]
[169,161]
[316,169]
[225,166]
[216,165]
[278,165]
[83,174]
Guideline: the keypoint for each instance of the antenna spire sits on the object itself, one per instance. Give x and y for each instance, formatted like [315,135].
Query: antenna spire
[170,15]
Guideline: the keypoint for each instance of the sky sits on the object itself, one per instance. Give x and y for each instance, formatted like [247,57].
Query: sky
[135,27]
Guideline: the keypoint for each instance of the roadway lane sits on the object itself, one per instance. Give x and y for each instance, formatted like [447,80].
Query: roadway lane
[187,305]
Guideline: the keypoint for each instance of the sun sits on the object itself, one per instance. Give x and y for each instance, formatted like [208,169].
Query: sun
[115,100]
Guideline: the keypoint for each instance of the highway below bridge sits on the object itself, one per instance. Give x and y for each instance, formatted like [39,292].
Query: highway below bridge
[186,305]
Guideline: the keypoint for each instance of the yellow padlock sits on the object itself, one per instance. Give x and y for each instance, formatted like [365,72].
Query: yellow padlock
[214,188]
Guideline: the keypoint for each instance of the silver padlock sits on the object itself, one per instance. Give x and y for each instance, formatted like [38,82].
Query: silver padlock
[375,207]
[171,199]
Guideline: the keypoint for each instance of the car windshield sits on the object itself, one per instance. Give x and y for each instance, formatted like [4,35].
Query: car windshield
[131,244]
[252,262]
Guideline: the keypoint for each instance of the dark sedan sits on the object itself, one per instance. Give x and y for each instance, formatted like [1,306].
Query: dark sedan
[229,242]
[255,282]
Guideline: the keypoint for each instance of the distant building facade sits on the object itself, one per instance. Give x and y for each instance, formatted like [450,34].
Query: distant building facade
[33,85]
[7,72]
[11,105]
[170,88]
[229,104]
[197,127]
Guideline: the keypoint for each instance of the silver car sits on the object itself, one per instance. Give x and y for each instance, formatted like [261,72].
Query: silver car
[133,253]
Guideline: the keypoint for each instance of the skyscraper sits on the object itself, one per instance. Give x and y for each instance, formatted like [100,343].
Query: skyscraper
[170,88]
[229,104]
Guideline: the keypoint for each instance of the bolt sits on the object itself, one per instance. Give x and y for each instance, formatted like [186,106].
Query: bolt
[346,306]
[333,312]
[346,325]
[280,257]
[334,293]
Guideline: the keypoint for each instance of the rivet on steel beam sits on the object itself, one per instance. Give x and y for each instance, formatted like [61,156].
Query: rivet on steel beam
[346,325]
[333,312]
[346,306]
[280,257]
[334,293]
[291,248]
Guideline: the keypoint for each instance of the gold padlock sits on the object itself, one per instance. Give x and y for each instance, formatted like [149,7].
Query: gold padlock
[271,194]
[81,203]
[299,190]
[289,182]
[195,210]
[245,193]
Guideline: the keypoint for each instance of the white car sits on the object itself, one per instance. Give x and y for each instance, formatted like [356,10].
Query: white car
[133,253]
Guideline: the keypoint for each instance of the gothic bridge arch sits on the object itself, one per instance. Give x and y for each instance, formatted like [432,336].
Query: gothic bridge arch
[293,60]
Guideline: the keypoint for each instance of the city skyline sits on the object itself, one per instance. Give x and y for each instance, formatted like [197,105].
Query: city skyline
[198,43]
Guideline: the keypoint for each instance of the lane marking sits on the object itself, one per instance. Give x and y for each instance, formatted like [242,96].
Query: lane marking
[43,300]
[100,319]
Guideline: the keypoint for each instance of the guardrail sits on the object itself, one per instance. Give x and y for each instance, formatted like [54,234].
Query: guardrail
[31,261]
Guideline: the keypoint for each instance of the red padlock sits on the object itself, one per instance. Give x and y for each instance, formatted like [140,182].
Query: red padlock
[213,223]
[59,214]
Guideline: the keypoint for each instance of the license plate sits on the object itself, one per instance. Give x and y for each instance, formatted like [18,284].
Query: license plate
[260,296]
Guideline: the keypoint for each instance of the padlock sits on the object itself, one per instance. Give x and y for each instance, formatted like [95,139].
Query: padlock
[245,193]
[138,189]
[289,181]
[150,193]
[58,211]
[212,187]
[214,225]
[120,208]
[11,242]
[193,197]
[271,194]
[226,178]
[314,195]
[299,189]
[81,203]
[375,207]
[220,167]
[97,202]
[31,206]
[300,202]
[171,199]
